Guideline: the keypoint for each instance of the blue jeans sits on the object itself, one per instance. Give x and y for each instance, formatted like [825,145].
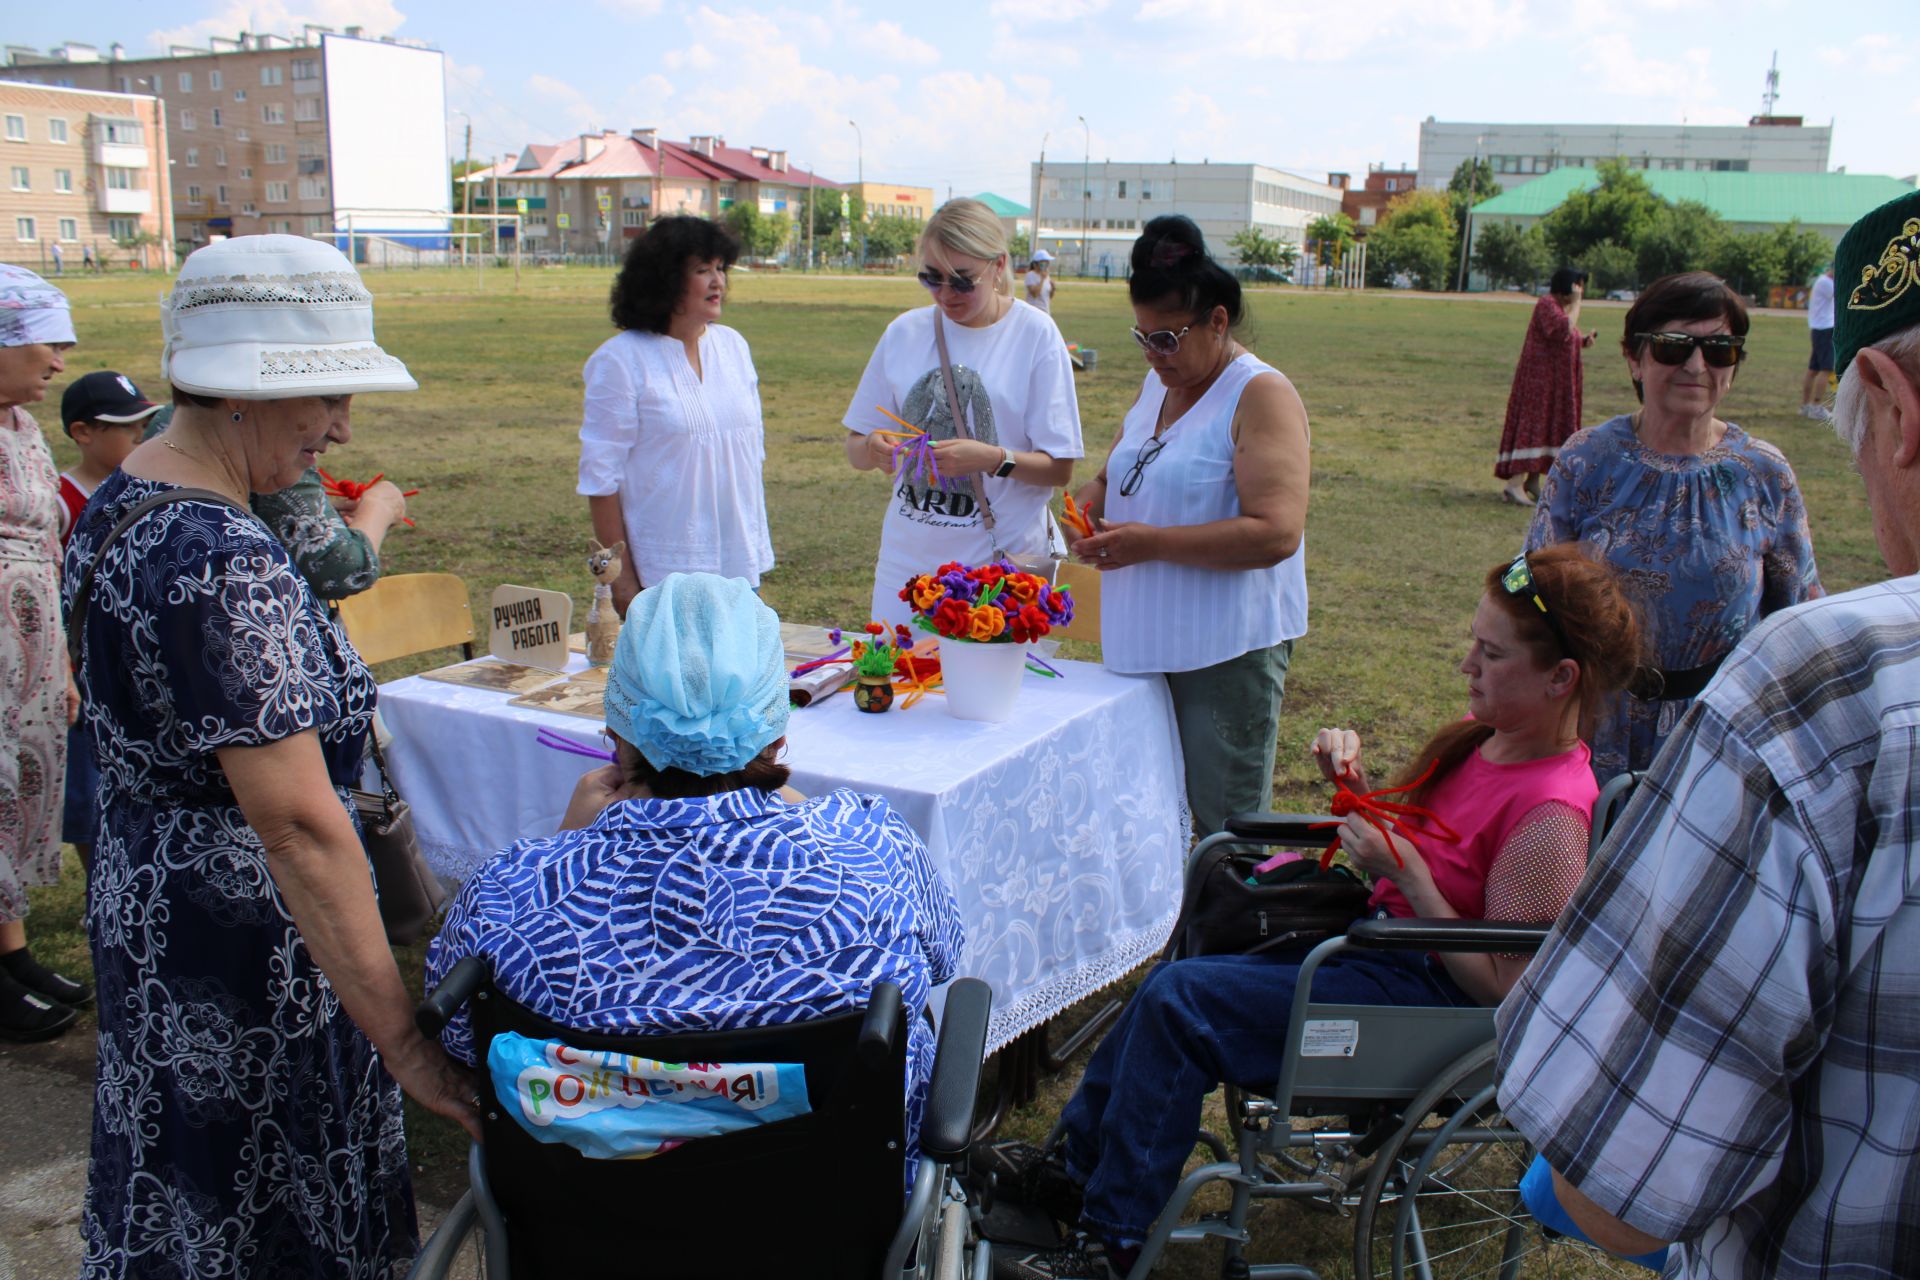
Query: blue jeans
[1191,1025]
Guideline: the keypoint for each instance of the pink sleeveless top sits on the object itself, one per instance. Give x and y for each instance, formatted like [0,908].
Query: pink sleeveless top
[1483,803]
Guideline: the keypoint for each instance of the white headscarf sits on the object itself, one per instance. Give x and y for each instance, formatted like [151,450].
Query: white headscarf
[31,310]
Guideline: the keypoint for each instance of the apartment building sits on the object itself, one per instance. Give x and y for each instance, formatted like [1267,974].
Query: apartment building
[594,192]
[891,200]
[308,134]
[1380,188]
[1089,215]
[84,170]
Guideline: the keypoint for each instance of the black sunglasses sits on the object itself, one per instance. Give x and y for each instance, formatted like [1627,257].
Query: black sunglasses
[1148,452]
[1518,581]
[1719,350]
[956,282]
[1161,342]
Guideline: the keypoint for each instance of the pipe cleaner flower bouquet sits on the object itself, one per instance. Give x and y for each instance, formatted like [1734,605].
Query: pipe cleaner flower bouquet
[985,616]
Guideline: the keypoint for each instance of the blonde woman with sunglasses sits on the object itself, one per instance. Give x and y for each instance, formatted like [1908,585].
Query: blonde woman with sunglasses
[1201,517]
[1019,432]
[1705,520]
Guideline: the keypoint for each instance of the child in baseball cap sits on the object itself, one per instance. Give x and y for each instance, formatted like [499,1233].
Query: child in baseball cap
[103,413]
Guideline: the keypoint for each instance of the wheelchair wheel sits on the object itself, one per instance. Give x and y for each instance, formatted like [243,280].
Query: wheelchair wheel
[457,1249]
[1442,1200]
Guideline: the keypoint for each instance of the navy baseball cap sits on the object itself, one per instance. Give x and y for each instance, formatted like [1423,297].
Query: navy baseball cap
[105,396]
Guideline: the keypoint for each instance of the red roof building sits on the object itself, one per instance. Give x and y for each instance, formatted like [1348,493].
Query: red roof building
[592,193]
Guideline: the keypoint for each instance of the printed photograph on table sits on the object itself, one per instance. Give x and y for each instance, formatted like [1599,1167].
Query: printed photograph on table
[489,673]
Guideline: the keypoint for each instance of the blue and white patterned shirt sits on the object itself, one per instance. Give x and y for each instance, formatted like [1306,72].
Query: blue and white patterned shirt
[711,913]
[1720,1042]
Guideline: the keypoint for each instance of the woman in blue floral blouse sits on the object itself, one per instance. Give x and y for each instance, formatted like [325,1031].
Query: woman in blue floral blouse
[1704,520]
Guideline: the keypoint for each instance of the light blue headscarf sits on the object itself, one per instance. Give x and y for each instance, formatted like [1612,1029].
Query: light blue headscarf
[31,310]
[699,679]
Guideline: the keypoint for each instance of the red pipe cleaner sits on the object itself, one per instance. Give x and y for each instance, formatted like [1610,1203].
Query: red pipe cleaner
[354,490]
[1386,816]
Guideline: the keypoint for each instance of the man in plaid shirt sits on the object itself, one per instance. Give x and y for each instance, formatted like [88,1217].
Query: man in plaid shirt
[1720,1043]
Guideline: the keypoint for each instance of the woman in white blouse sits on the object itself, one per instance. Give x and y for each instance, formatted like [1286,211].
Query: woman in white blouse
[1200,518]
[671,440]
[1014,382]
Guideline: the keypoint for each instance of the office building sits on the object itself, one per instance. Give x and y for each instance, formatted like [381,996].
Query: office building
[1521,152]
[1103,206]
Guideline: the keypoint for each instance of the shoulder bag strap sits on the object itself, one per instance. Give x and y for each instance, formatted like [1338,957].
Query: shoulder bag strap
[77,619]
[961,427]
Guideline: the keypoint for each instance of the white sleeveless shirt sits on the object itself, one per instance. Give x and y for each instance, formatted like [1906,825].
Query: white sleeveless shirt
[1160,616]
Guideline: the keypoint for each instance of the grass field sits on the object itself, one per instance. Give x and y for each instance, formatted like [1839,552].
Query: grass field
[1405,396]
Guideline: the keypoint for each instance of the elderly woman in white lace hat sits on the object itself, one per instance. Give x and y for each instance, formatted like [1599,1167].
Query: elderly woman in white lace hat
[253,1024]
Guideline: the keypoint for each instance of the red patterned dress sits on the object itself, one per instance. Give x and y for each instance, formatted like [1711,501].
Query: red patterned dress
[33,665]
[1544,407]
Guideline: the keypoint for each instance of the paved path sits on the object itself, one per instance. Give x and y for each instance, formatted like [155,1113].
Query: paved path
[46,1119]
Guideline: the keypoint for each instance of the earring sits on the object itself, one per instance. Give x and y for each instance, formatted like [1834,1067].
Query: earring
[237,417]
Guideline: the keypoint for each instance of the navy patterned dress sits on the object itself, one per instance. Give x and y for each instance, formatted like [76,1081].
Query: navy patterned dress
[242,1124]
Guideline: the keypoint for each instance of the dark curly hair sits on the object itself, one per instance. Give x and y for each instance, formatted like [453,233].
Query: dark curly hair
[655,271]
[1171,265]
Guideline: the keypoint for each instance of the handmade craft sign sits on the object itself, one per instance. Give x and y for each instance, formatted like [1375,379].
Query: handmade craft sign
[531,626]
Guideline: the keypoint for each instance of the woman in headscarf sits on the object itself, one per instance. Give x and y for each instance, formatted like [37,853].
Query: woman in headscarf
[36,703]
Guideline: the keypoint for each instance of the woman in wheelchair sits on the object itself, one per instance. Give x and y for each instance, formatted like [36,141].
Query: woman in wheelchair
[681,893]
[1513,793]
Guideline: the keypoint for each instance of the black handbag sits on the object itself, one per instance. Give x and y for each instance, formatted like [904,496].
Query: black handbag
[410,894]
[1295,904]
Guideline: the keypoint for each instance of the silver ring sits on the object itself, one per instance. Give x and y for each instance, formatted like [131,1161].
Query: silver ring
[476,1102]
[1104,553]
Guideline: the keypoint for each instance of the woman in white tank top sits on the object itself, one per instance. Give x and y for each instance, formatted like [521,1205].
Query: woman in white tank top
[1200,517]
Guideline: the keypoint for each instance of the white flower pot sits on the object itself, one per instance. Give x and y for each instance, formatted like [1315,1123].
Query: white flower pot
[981,680]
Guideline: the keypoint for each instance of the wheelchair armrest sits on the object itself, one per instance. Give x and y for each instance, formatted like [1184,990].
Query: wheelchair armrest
[1448,935]
[1281,828]
[880,1028]
[432,1014]
[946,1128]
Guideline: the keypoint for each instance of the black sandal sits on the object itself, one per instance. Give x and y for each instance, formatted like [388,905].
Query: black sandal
[40,980]
[26,1016]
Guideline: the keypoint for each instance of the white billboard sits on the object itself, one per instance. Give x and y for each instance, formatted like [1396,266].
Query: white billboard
[387,136]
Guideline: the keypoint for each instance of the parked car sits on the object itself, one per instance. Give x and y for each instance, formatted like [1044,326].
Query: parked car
[1622,295]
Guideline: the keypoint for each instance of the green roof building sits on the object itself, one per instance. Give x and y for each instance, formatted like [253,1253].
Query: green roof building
[1828,203]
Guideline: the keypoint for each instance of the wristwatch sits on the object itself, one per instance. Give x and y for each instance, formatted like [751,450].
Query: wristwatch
[1006,466]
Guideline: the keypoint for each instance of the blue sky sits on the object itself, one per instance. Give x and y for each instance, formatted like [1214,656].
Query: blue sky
[962,96]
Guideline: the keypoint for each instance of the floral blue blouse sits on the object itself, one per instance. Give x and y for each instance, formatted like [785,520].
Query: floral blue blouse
[1709,545]
[704,914]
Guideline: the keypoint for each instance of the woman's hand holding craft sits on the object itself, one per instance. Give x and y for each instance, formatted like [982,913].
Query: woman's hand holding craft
[1337,752]
[1115,546]
[1368,851]
[966,457]
[880,451]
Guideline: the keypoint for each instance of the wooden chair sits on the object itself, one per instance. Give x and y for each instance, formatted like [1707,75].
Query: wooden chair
[409,613]
[1085,582]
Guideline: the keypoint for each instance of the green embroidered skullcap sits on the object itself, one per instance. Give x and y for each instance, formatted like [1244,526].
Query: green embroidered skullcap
[1877,271]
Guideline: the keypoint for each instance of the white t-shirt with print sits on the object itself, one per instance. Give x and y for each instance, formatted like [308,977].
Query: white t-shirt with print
[1015,384]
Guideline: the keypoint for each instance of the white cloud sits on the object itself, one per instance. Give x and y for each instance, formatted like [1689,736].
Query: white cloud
[1877,54]
[379,17]
[888,42]
[1034,13]
[1305,30]
[566,103]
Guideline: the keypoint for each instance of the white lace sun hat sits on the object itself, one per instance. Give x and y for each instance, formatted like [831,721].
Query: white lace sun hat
[272,317]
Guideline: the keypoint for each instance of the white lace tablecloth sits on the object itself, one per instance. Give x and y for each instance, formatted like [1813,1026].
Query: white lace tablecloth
[1063,831]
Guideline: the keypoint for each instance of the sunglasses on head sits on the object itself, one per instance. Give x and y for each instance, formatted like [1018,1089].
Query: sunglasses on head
[956,282]
[1719,350]
[1161,342]
[1518,581]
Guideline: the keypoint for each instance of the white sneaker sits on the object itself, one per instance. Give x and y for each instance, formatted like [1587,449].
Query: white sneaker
[1818,412]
